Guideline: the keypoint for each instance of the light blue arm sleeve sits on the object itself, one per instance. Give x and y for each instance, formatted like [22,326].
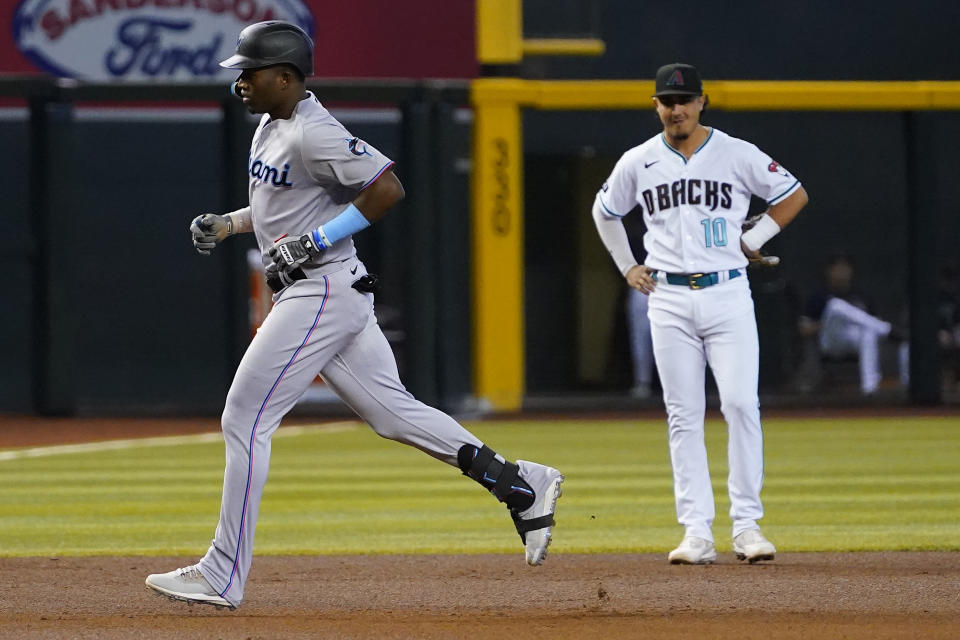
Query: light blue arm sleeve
[347,223]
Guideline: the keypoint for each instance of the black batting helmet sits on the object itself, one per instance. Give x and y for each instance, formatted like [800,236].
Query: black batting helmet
[272,42]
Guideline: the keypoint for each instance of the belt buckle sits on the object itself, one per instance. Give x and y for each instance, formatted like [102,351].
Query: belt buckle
[693,277]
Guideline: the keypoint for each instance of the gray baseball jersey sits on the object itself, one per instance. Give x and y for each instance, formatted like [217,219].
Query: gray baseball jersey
[304,171]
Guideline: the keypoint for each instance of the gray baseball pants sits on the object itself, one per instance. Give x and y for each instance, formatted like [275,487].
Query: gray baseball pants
[318,325]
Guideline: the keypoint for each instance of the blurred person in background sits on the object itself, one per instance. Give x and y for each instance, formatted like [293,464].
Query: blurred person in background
[638,324]
[842,322]
[948,326]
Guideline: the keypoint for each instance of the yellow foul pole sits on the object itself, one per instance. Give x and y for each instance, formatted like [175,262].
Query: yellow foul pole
[497,213]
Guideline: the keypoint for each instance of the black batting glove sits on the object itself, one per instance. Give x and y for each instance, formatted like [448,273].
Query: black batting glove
[290,252]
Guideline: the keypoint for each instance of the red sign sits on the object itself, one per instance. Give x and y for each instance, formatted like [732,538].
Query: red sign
[183,40]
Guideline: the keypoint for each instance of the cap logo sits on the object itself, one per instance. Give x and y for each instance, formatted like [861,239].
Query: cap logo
[676,79]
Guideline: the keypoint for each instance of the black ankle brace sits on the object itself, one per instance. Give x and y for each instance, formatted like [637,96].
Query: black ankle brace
[502,479]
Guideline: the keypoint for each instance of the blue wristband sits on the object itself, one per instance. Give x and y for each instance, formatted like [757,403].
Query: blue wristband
[347,223]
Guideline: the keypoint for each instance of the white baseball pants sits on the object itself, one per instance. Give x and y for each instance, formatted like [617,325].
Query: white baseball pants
[690,329]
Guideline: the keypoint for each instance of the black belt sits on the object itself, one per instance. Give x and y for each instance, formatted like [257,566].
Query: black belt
[278,281]
[698,280]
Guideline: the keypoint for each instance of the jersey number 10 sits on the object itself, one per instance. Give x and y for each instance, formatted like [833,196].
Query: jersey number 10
[714,232]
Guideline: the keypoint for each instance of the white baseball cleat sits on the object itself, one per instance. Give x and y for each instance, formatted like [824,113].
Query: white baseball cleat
[187,585]
[693,550]
[752,546]
[535,525]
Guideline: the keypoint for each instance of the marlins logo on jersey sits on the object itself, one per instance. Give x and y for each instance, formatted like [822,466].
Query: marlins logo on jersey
[358,147]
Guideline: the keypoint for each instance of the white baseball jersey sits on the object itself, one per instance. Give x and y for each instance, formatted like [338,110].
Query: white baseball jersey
[310,148]
[694,209]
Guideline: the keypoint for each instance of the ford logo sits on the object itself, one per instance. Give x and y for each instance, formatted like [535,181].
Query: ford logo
[169,40]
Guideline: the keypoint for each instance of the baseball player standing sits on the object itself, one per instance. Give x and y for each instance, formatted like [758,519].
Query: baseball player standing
[693,184]
[312,185]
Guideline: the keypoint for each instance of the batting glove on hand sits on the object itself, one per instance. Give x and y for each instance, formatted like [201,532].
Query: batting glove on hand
[208,229]
[288,253]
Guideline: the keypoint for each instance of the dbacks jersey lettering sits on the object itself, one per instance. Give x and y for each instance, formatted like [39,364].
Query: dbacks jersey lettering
[694,209]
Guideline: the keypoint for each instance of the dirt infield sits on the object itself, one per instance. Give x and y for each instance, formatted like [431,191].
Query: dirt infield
[801,596]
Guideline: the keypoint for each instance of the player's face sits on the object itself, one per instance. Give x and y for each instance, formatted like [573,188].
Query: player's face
[260,88]
[680,115]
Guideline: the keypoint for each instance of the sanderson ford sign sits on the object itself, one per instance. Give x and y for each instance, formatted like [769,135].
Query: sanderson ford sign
[179,40]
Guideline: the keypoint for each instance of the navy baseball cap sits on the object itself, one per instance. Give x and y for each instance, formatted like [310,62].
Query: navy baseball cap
[678,79]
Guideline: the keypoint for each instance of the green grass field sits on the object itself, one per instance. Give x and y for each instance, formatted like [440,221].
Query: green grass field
[831,484]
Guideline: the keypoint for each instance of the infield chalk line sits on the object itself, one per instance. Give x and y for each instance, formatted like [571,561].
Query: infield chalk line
[165,441]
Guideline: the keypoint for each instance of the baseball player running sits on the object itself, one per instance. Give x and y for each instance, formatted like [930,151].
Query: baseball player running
[312,185]
[693,184]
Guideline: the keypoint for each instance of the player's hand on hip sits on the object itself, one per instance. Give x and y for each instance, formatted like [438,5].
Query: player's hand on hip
[640,278]
[208,229]
[759,258]
[290,252]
